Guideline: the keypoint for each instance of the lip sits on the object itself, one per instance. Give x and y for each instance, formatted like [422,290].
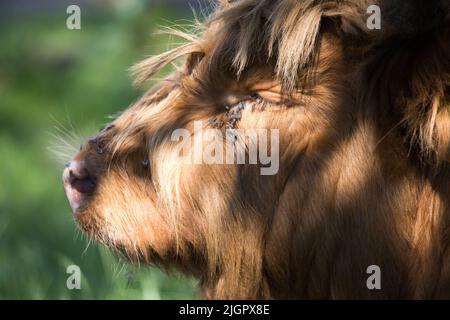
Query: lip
[78,191]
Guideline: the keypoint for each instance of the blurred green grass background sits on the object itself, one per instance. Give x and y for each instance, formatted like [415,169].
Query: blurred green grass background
[49,74]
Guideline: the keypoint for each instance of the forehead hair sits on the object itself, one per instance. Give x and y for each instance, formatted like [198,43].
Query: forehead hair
[285,33]
[243,33]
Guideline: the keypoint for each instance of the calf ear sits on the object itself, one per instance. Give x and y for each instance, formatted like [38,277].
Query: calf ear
[412,71]
[420,88]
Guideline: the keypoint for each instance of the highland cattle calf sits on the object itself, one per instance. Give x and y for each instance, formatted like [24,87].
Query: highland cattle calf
[357,118]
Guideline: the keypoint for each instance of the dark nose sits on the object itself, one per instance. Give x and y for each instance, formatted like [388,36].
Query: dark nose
[79,184]
[79,177]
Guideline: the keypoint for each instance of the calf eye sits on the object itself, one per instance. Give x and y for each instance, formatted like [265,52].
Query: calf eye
[255,96]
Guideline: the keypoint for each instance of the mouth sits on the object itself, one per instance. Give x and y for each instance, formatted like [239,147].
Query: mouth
[78,184]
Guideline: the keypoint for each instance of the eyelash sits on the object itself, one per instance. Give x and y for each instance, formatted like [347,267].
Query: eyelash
[234,113]
[258,102]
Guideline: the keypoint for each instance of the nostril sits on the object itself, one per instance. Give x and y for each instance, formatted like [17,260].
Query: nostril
[79,178]
[79,183]
[78,170]
[85,186]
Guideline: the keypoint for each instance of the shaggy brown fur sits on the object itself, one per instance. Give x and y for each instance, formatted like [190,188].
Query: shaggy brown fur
[364,179]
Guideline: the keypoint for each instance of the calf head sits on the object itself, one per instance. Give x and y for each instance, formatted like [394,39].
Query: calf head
[362,126]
